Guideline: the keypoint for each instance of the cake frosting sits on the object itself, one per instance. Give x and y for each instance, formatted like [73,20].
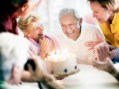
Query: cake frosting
[62,62]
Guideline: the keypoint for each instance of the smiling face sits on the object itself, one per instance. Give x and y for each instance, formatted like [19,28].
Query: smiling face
[100,13]
[31,27]
[36,32]
[69,26]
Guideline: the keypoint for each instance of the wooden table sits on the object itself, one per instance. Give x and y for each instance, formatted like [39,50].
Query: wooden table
[90,78]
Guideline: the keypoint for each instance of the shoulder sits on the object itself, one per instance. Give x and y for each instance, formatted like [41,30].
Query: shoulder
[4,22]
[89,28]
[117,14]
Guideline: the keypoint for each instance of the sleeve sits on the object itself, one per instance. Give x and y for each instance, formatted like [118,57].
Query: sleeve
[116,55]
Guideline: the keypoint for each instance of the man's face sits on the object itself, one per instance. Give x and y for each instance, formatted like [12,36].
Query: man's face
[100,13]
[69,26]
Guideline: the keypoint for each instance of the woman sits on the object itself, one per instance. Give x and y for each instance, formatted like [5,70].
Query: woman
[10,10]
[107,14]
[42,44]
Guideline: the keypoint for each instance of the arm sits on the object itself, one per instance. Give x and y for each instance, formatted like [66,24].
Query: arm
[26,76]
[114,53]
[97,37]
[33,5]
[103,60]
[36,4]
[37,74]
[107,66]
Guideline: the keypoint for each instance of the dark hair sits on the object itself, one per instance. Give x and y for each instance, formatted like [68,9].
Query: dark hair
[108,4]
[11,6]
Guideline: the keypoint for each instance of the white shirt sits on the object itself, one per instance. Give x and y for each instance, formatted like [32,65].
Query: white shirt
[88,33]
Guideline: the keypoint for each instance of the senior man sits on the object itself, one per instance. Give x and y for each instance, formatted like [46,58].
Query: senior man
[77,33]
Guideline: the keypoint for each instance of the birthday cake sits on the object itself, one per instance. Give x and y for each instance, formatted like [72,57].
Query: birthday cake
[62,62]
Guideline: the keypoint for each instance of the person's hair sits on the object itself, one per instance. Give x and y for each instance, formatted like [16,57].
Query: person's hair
[108,4]
[13,52]
[11,6]
[67,11]
[25,24]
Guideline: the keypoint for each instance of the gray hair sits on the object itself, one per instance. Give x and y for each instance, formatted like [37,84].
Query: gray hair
[26,24]
[13,52]
[67,11]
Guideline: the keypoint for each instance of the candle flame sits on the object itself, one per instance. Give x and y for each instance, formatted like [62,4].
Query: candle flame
[59,55]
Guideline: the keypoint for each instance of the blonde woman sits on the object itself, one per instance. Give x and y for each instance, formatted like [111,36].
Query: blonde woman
[107,14]
[41,44]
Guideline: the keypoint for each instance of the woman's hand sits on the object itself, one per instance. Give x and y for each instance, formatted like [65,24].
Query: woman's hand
[62,76]
[102,51]
[91,44]
[45,47]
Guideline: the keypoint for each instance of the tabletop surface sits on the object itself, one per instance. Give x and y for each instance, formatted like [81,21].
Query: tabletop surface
[87,78]
[90,77]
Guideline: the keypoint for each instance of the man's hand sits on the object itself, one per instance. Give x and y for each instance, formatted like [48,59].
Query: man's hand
[59,77]
[38,74]
[35,69]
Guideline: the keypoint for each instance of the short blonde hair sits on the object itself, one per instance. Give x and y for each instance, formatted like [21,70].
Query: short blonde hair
[26,24]
[108,4]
